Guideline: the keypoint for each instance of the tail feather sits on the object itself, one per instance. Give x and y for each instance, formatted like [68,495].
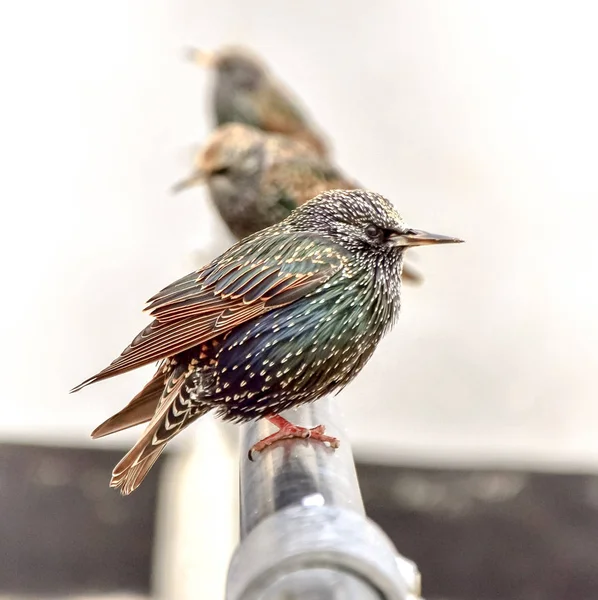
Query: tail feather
[140,410]
[175,412]
[130,479]
[411,275]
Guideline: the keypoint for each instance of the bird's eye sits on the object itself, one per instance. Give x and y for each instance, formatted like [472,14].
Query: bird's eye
[220,171]
[373,232]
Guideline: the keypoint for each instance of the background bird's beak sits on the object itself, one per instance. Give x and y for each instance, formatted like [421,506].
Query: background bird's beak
[415,237]
[196,178]
[203,58]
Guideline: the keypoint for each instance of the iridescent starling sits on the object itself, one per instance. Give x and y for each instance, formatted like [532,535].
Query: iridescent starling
[283,317]
[245,92]
[256,179]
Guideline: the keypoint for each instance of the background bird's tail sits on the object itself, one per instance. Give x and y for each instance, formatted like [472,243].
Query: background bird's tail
[411,275]
[175,411]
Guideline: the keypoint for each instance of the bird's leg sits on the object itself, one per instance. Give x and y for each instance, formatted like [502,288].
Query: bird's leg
[287,431]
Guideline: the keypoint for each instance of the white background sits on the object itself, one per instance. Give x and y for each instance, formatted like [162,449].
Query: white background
[478,119]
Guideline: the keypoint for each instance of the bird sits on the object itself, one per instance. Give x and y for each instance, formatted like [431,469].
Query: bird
[246,92]
[284,317]
[256,179]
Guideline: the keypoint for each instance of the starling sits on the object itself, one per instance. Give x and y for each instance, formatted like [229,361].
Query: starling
[257,179]
[285,316]
[245,92]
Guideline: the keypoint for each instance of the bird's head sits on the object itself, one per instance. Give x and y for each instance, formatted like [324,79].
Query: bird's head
[363,222]
[231,155]
[242,70]
[237,68]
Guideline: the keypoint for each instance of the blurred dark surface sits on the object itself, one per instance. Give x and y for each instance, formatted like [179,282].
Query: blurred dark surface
[490,535]
[475,535]
[64,531]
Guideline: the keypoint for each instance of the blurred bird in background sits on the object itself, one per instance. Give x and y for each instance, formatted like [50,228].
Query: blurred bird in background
[245,92]
[256,179]
[286,316]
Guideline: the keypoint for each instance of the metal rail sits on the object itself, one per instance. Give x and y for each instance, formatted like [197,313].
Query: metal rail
[304,532]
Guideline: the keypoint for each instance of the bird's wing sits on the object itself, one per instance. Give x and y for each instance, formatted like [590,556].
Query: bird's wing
[295,174]
[280,112]
[260,273]
[279,109]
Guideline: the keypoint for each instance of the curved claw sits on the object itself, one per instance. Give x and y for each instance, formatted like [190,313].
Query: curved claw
[289,431]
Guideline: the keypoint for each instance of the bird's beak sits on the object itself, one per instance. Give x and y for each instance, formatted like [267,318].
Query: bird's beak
[415,237]
[203,58]
[196,178]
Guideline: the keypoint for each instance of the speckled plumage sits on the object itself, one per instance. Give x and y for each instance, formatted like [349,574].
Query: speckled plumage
[256,179]
[245,92]
[284,317]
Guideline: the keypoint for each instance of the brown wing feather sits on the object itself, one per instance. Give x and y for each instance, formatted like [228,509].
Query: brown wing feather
[227,293]
[278,111]
[280,114]
[139,410]
[298,173]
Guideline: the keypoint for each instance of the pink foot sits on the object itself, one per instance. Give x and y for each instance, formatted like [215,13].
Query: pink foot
[287,431]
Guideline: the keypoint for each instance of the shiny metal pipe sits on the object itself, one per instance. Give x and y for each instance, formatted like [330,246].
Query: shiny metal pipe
[304,533]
